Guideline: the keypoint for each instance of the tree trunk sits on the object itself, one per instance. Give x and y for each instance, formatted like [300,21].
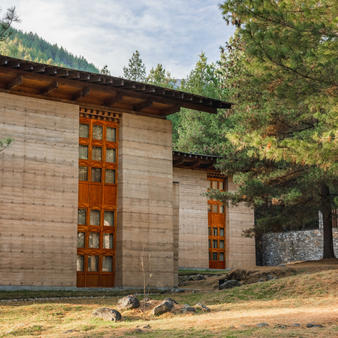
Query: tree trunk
[326,210]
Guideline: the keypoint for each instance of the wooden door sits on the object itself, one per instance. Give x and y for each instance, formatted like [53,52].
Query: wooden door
[216,228]
[98,154]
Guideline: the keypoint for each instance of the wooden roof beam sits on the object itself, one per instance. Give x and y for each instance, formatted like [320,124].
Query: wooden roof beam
[17,81]
[112,100]
[142,105]
[50,88]
[83,92]
[171,110]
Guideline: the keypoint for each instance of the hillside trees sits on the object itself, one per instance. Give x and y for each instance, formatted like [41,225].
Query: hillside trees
[284,127]
[6,22]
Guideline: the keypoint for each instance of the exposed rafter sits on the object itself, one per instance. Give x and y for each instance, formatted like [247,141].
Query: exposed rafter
[81,93]
[50,88]
[17,81]
[114,99]
[142,105]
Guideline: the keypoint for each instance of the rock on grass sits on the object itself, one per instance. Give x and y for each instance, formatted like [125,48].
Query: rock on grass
[129,302]
[107,314]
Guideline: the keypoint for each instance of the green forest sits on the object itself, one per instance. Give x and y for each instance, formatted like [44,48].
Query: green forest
[30,46]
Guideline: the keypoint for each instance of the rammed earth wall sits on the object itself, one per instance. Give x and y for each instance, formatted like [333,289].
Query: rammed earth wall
[294,246]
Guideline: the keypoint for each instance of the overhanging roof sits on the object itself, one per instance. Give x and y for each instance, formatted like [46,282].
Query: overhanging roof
[84,88]
[194,161]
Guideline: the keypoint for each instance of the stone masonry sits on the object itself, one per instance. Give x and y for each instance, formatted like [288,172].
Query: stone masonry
[291,246]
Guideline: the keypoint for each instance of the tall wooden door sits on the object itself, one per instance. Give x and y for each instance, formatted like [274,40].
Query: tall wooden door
[216,227]
[98,147]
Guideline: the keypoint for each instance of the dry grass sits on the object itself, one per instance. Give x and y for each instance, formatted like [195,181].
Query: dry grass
[303,298]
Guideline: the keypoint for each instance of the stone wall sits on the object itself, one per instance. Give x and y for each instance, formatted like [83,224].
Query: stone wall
[294,246]
[38,192]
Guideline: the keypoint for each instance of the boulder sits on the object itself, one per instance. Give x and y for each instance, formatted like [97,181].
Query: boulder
[228,284]
[107,314]
[129,302]
[165,306]
[170,300]
[262,324]
[196,277]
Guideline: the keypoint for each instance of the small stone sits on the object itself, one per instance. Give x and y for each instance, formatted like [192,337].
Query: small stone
[147,326]
[229,284]
[177,290]
[129,302]
[310,325]
[280,326]
[296,325]
[204,308]
[262,325]
[164,307]
[187,308]
[170,300]
[107,314]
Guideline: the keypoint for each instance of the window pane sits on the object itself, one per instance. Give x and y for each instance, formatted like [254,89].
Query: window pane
[107,241]
[221,232]
[94,217]
[83,152]
[215,231]
[214,208]
[96,174]
[84,130]
[214,184]
[108,218]
[221,185]
[209,229]
[209,243]
[97,154]
[214,256]
[94,240]
[97,132]
[111,134]
[80,239]
[221,244]
[79,263]
[221,256]
[214,244]
[81,216]
[110,176]
[107,264]
[221,209]
[83,173]
[209,207]
[93,263]
[111,155]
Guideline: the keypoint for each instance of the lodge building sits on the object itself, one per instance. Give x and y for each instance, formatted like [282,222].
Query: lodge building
[91,192]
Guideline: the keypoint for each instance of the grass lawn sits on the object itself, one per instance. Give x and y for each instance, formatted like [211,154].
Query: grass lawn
[287,305]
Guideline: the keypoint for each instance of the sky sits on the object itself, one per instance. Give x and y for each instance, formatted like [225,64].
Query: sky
[107,32]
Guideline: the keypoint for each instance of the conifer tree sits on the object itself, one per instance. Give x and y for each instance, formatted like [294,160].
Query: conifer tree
[160,77]
[6,22]
[282,147]
[136,69]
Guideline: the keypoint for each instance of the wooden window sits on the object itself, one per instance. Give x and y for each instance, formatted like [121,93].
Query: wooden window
[216,224]
[84,130]
[98,163]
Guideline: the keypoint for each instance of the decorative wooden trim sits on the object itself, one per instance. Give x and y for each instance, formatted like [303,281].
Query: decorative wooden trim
[98,114]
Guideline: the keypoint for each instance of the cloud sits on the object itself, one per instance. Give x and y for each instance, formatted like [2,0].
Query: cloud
[108,31]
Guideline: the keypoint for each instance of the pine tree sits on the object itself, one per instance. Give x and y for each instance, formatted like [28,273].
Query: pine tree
[282,149]
[158,76]
[136,69]
[6,22]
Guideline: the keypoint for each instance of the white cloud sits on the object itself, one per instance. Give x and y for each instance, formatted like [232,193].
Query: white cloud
[108,31]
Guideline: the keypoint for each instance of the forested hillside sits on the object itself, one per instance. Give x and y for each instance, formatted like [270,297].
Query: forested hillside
[30,46]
